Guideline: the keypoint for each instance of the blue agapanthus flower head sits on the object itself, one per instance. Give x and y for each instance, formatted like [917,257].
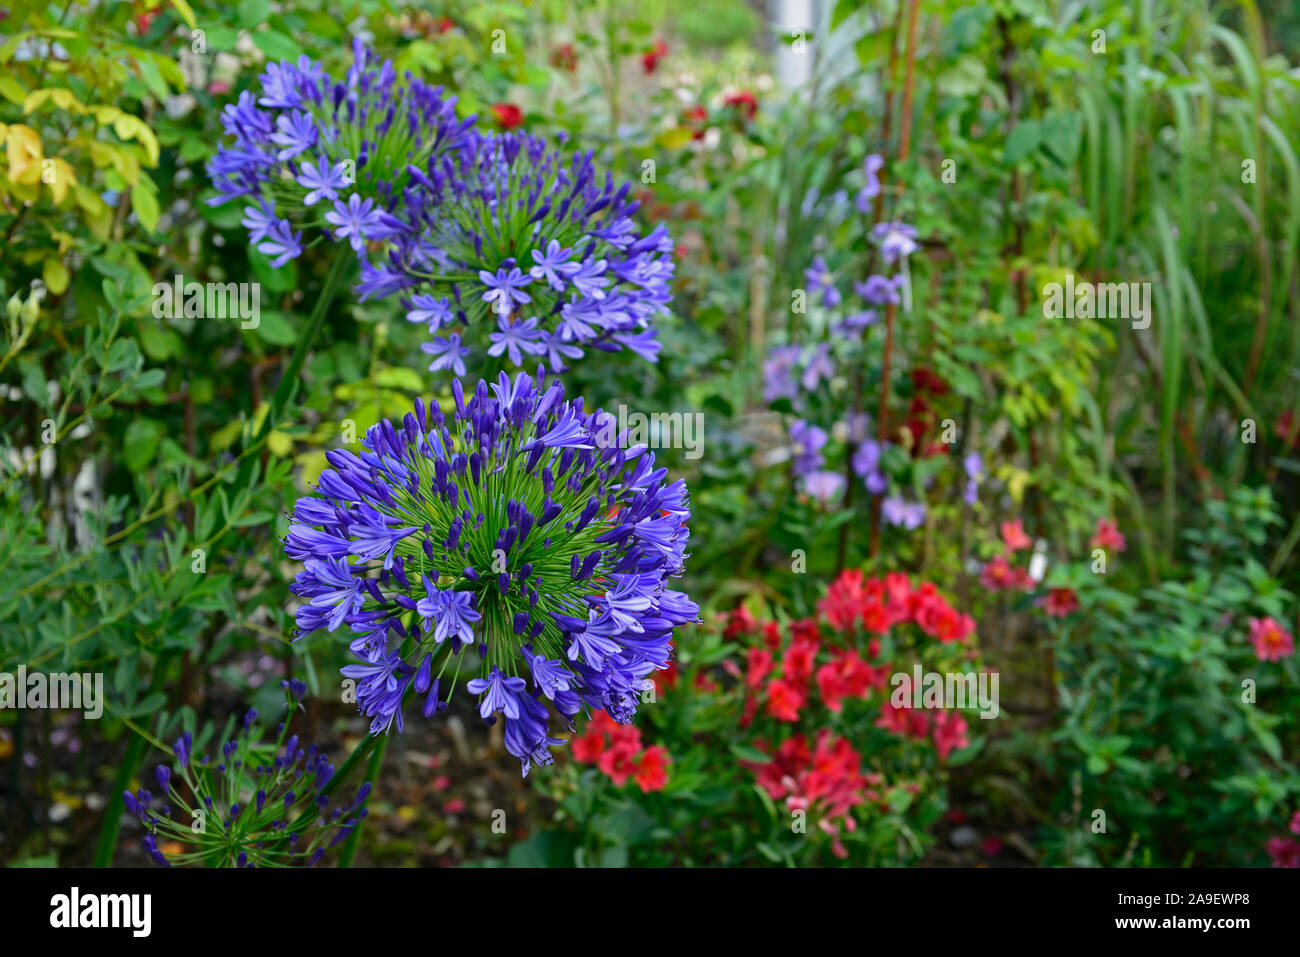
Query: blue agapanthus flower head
[523,249]
[514,536]
[310,153]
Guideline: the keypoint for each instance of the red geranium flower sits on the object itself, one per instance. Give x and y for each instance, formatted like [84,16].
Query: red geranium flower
[743,101]
[650,59]
[1060,602]
[508,116]
[652,768]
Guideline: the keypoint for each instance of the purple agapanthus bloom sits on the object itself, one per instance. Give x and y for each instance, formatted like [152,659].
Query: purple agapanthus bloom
[315,152]
[820,280]
[871,168]
[897,240]
[518,531]
[511,226]
[447,352]
[901,513]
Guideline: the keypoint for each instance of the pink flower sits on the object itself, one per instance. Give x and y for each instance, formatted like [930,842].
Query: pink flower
[1285,851]
[1108,536]
[1272,642]
[1295,823]
[1014,537]
[949,733]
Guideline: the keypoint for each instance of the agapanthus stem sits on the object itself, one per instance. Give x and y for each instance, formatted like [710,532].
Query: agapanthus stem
[343,258]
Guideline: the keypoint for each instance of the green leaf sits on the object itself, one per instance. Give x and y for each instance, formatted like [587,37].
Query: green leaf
[141,442]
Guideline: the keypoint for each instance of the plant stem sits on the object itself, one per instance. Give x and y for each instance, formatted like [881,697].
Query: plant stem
[288,385]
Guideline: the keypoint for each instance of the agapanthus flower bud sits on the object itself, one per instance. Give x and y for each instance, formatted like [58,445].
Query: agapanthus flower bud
[549,638]
[255,814]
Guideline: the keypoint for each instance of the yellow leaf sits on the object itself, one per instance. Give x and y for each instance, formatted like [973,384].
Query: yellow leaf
[64,177]
[56,276]
[24,153]
[133,128]
[279,443]
[186,12]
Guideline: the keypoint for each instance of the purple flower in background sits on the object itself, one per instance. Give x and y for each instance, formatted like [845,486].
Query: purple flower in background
[778,374]
[871,168]
[447,353]
[807,441]
[820,280]
[901,513]
[819,367]
[974,467]
[433,312]
[281,244]
[897,240]
[854,323]
[528,540]
[866,466]
[878,290]
[825,486]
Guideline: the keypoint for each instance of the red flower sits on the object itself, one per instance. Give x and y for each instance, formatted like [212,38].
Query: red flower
[652,768]
[508,115]
[588,748]
[1108,536]
[949,733]
[1060,602]
[444,24]
[650,59]
[619,762]
[564,57]
[1295,823]
[741,622]
[760,664]
[1014,537]
[797,665]
[1272,642]
[697,119]
[784,700]
[744,102]
[772,635]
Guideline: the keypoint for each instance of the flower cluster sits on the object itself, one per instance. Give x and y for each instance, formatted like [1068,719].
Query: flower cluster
[257,806]
[617,751]
[999,574]
[512,240]
[518,527]
[311,153]
[826,782]
[858,612]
